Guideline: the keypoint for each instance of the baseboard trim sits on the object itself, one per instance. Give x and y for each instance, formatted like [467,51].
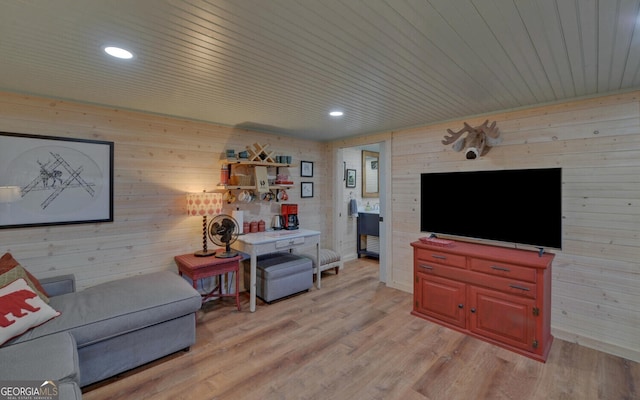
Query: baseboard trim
[609,348]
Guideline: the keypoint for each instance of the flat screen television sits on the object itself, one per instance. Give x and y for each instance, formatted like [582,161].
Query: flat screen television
[521,206]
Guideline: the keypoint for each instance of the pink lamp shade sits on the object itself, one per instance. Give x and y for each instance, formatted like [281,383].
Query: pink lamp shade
[204,204]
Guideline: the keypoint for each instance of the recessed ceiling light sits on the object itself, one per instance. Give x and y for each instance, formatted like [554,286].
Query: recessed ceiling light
[336,113]
[118,52]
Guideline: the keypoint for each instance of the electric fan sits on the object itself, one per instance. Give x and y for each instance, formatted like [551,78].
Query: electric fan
[223,231]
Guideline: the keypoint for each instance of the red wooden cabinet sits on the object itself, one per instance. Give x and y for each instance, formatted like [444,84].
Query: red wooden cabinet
[500,295]
[441,298]
[503,317]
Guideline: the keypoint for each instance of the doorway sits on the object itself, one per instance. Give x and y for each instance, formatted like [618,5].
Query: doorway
[349,163]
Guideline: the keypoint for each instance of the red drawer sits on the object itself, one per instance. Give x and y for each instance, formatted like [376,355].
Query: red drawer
[441,257]
[504,285]
[504,269]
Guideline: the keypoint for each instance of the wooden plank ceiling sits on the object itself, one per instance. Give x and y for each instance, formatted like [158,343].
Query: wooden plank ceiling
[282,65]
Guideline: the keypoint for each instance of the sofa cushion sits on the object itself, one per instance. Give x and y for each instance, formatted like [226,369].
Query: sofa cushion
[17,273]
[118,307]
[52,357]
[59,284]
[8,263]
[21,309]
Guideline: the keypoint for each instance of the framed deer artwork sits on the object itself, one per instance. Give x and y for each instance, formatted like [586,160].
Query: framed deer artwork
[47,180]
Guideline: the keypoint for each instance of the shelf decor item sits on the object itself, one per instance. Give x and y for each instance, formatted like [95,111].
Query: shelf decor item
[306,169]
[60,180]
[204,204]
[262,179]
[259,153]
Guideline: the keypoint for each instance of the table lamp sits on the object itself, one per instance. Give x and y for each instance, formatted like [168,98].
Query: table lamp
[204,204]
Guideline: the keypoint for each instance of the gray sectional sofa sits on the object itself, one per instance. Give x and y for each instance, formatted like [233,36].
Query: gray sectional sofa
[103,330]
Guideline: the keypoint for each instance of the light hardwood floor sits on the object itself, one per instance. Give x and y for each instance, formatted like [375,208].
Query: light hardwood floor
[355,339]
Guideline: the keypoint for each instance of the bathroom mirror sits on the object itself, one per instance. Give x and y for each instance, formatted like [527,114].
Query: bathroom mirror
[370,173]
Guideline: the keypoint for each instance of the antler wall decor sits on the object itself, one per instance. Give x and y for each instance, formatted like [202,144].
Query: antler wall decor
[478,140]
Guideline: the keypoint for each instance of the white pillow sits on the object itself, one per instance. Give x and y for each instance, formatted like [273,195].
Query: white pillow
[21,309]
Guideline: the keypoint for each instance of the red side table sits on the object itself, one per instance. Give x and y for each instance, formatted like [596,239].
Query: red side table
[203,267]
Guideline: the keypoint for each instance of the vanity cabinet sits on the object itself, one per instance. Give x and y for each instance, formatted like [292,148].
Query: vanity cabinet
[500,295]
[368,225]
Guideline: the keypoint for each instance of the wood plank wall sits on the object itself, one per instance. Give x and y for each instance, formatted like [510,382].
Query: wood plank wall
[157,161]
[596,301]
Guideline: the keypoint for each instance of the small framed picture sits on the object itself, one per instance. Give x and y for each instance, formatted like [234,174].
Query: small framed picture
[306,169]
[351,178]
[306,189]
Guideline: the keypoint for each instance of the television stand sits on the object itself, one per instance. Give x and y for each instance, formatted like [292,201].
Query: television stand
[500,295]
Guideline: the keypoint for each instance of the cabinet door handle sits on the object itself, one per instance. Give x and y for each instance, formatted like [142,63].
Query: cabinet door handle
[429,267]
[473,310]
[460,305]
[526,289]
[438,257]
[503,269]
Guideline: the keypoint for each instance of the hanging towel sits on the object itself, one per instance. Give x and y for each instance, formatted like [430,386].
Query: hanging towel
[353,208]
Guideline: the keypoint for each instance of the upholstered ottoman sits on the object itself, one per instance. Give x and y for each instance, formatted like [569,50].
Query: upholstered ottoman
[280,275]
[329,259]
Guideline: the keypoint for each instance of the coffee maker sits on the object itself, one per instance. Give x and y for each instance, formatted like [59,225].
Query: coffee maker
[290,214]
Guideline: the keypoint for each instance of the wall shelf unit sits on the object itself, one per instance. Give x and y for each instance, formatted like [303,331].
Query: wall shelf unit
[234,164]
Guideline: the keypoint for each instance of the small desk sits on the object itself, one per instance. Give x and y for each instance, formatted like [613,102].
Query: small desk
[203,267]
[259,243]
